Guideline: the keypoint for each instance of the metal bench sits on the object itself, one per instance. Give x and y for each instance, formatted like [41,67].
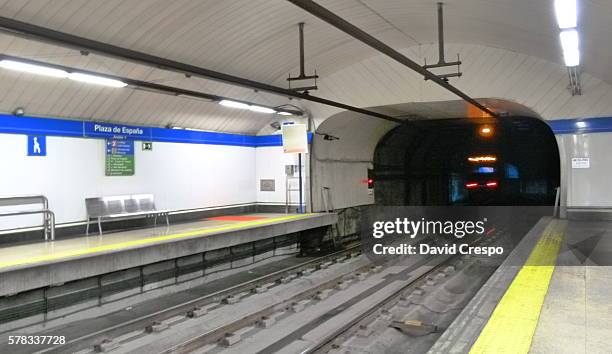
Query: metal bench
[48,216]
[122,207]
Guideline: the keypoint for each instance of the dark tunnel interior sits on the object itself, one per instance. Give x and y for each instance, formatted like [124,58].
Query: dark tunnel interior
[508,161]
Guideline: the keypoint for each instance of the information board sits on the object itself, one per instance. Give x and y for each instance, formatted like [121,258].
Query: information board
[581,162]
[119,157]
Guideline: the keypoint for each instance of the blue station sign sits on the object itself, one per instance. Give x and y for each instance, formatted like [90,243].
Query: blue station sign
[108,130]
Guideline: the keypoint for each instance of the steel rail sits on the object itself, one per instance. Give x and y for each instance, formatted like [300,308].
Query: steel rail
[328,340]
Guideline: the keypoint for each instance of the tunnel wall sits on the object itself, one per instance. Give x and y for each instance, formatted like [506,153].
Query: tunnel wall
[535,83]
[590,187]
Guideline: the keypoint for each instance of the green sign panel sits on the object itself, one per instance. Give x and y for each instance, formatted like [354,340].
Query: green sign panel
[119,157]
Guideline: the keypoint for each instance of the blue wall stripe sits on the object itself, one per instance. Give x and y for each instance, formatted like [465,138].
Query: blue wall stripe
[582,125]
[73,128]
[61,127]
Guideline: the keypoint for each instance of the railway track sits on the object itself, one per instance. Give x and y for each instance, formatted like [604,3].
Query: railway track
[99,340]
[328,322]
[226,322]
[393,307]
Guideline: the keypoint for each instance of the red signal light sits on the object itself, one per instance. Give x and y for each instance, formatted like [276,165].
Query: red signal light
[370,183]
[471,185]
[491,184]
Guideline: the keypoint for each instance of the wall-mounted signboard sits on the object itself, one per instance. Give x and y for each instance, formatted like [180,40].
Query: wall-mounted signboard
[107,130]
[581,162]
[119,157]
[147,146]
[37,145]
[295,138]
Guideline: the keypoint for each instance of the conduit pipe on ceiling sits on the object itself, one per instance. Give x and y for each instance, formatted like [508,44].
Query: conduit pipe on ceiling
[355,32]
[44,34]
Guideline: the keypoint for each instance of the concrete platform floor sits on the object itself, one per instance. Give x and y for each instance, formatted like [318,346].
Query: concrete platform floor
[15,256]
[576,316]
[576,313]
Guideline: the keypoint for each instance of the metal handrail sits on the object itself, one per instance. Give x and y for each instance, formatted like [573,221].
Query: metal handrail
[557,202]
[48,215]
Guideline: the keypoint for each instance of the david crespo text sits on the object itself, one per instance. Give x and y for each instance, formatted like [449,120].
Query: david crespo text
[446,249]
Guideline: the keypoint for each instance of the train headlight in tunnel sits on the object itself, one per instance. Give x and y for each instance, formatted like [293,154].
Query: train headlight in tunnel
[486,131]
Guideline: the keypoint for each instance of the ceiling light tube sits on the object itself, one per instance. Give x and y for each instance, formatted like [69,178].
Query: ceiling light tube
[234,104]
[570,45]
[566,13]
[32,68]
[283,113]
[96,80]
[261,109]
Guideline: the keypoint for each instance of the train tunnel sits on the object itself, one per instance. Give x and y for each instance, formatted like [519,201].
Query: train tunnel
[305,176]
[511,161]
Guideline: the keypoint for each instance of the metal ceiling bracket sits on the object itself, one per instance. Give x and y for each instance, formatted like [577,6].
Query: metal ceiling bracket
[575,83]
[441,61]
[355,32]
[302,75]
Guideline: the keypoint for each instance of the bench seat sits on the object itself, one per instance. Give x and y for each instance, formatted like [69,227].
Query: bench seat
[122,207]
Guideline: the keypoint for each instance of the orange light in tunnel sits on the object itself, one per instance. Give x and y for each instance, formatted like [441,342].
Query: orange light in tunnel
[482,159]
[485,131]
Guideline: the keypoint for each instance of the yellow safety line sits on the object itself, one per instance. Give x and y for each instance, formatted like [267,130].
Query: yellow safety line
[143,241]
[513,323]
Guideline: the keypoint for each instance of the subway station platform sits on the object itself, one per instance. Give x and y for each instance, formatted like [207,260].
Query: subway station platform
[551,295]
[53,263]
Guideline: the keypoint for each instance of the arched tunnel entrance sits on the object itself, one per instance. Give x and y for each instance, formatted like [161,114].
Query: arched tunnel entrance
[510,161]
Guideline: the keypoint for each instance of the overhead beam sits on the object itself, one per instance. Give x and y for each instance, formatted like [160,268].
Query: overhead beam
[355,32]
[146,85]
[31,31]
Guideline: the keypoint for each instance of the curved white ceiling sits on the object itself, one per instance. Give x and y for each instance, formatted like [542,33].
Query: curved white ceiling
[258,40]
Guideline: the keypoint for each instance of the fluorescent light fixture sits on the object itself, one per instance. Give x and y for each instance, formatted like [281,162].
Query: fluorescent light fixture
[261,109]
[96,80]
[32,68]
[234,104]
[581,124]
[282,113]
[566,13]
[570,43]
[198,130]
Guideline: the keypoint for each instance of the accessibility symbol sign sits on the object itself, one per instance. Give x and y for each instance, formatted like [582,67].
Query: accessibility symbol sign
[37,145]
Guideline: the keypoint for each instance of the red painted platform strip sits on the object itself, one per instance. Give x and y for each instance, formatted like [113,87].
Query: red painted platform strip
[237,218]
